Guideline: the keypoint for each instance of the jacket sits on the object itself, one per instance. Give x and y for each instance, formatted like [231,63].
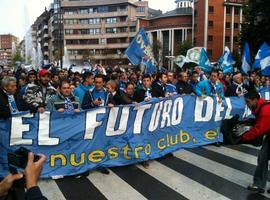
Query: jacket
[4,105]
[81,90]
[119,98]
[91,96]
[140,94]
[262,125]
[232,90]
[158,89]
[35,97]
[34,193]
[58,101]
[206,88]
[184,88]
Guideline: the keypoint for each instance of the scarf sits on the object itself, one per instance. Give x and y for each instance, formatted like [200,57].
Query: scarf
[68,105]
[239,90]
[12,103]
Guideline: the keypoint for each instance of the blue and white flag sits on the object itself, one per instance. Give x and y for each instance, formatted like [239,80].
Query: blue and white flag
[246,60]
[205,63]
[256,64]
[139,49]
[265,61]
[226,61]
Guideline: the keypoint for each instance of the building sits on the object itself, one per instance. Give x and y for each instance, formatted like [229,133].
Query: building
[170,29]
[218,24]
[212,24]
[7,42]
[100,31]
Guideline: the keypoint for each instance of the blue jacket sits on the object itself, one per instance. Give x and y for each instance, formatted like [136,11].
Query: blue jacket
[206,88]
[81,90]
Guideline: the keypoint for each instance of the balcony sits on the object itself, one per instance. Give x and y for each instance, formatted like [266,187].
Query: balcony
[107,35]
[81,26]
[98,46]
[45,27]
[46,44]
[45,36]
[95,15]
[98,57]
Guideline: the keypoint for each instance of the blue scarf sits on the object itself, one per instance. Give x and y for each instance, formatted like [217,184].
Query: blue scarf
[68,105]
[12,104]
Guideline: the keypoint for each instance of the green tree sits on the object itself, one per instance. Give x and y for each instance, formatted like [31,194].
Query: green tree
[256,26]
[183,47]
[16,57]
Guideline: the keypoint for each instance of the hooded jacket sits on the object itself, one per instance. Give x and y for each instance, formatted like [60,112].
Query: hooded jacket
[262,126]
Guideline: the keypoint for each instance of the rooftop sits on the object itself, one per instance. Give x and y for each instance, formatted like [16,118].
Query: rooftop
[175,12]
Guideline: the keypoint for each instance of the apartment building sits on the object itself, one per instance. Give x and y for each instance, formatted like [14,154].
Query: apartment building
[100,31]
[218,24]
[6,41]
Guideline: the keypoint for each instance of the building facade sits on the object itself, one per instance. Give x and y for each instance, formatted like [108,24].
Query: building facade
[6,43]
[100,31]
[169,30]
[218,24]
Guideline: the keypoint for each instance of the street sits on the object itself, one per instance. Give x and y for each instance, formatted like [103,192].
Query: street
[208,172]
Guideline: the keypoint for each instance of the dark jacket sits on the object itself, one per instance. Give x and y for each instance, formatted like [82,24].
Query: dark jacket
[4,105]
[88,100]
[158,89]
[120,98]
[34,193]
[231,90]
[184,88]
[139,94]
[262,126]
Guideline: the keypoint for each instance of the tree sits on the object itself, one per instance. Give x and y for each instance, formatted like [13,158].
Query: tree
[256,26]
[16,57]
[183,47]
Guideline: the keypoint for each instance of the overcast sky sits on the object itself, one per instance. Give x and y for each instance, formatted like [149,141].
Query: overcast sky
[16,15]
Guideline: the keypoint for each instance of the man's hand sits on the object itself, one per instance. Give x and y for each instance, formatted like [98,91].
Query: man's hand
[41,110]
[6,184]
[61,110]
[110,105]
[147,99]
[33,170]
[77,110]
[97,102]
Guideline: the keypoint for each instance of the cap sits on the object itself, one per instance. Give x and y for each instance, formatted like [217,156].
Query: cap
[43,72]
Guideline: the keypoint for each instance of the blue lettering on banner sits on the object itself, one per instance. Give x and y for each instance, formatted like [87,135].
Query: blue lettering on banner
[74,143]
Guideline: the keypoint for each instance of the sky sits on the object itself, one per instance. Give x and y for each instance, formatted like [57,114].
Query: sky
[17,15]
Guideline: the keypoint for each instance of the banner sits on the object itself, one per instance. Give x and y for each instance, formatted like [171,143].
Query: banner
[74,143]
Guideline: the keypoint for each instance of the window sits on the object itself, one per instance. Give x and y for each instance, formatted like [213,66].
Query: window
[228,25]
[123,29]
[111,20]
[235,39]
[111,30]
[133,29]
[140,9]
[211,9]
[84,11]
[84,31]
[69,32]
[103,9]
[209,52]
[84,21]
[94,31]
[236,26]
[228,10]
[71,21]
[210,24]
[123,8]
[227,39]
[237,11]
[93,10]
[210,38]
[94,21]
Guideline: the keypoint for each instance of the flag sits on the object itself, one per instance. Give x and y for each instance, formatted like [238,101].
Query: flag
[193,55]
[226,61]
[246,59]
[265,61]
[179,60]
[256,64]
[205,62]
[140,51]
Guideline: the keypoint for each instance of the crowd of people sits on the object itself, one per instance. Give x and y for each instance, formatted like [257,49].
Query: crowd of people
[63,90]
[68,91]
